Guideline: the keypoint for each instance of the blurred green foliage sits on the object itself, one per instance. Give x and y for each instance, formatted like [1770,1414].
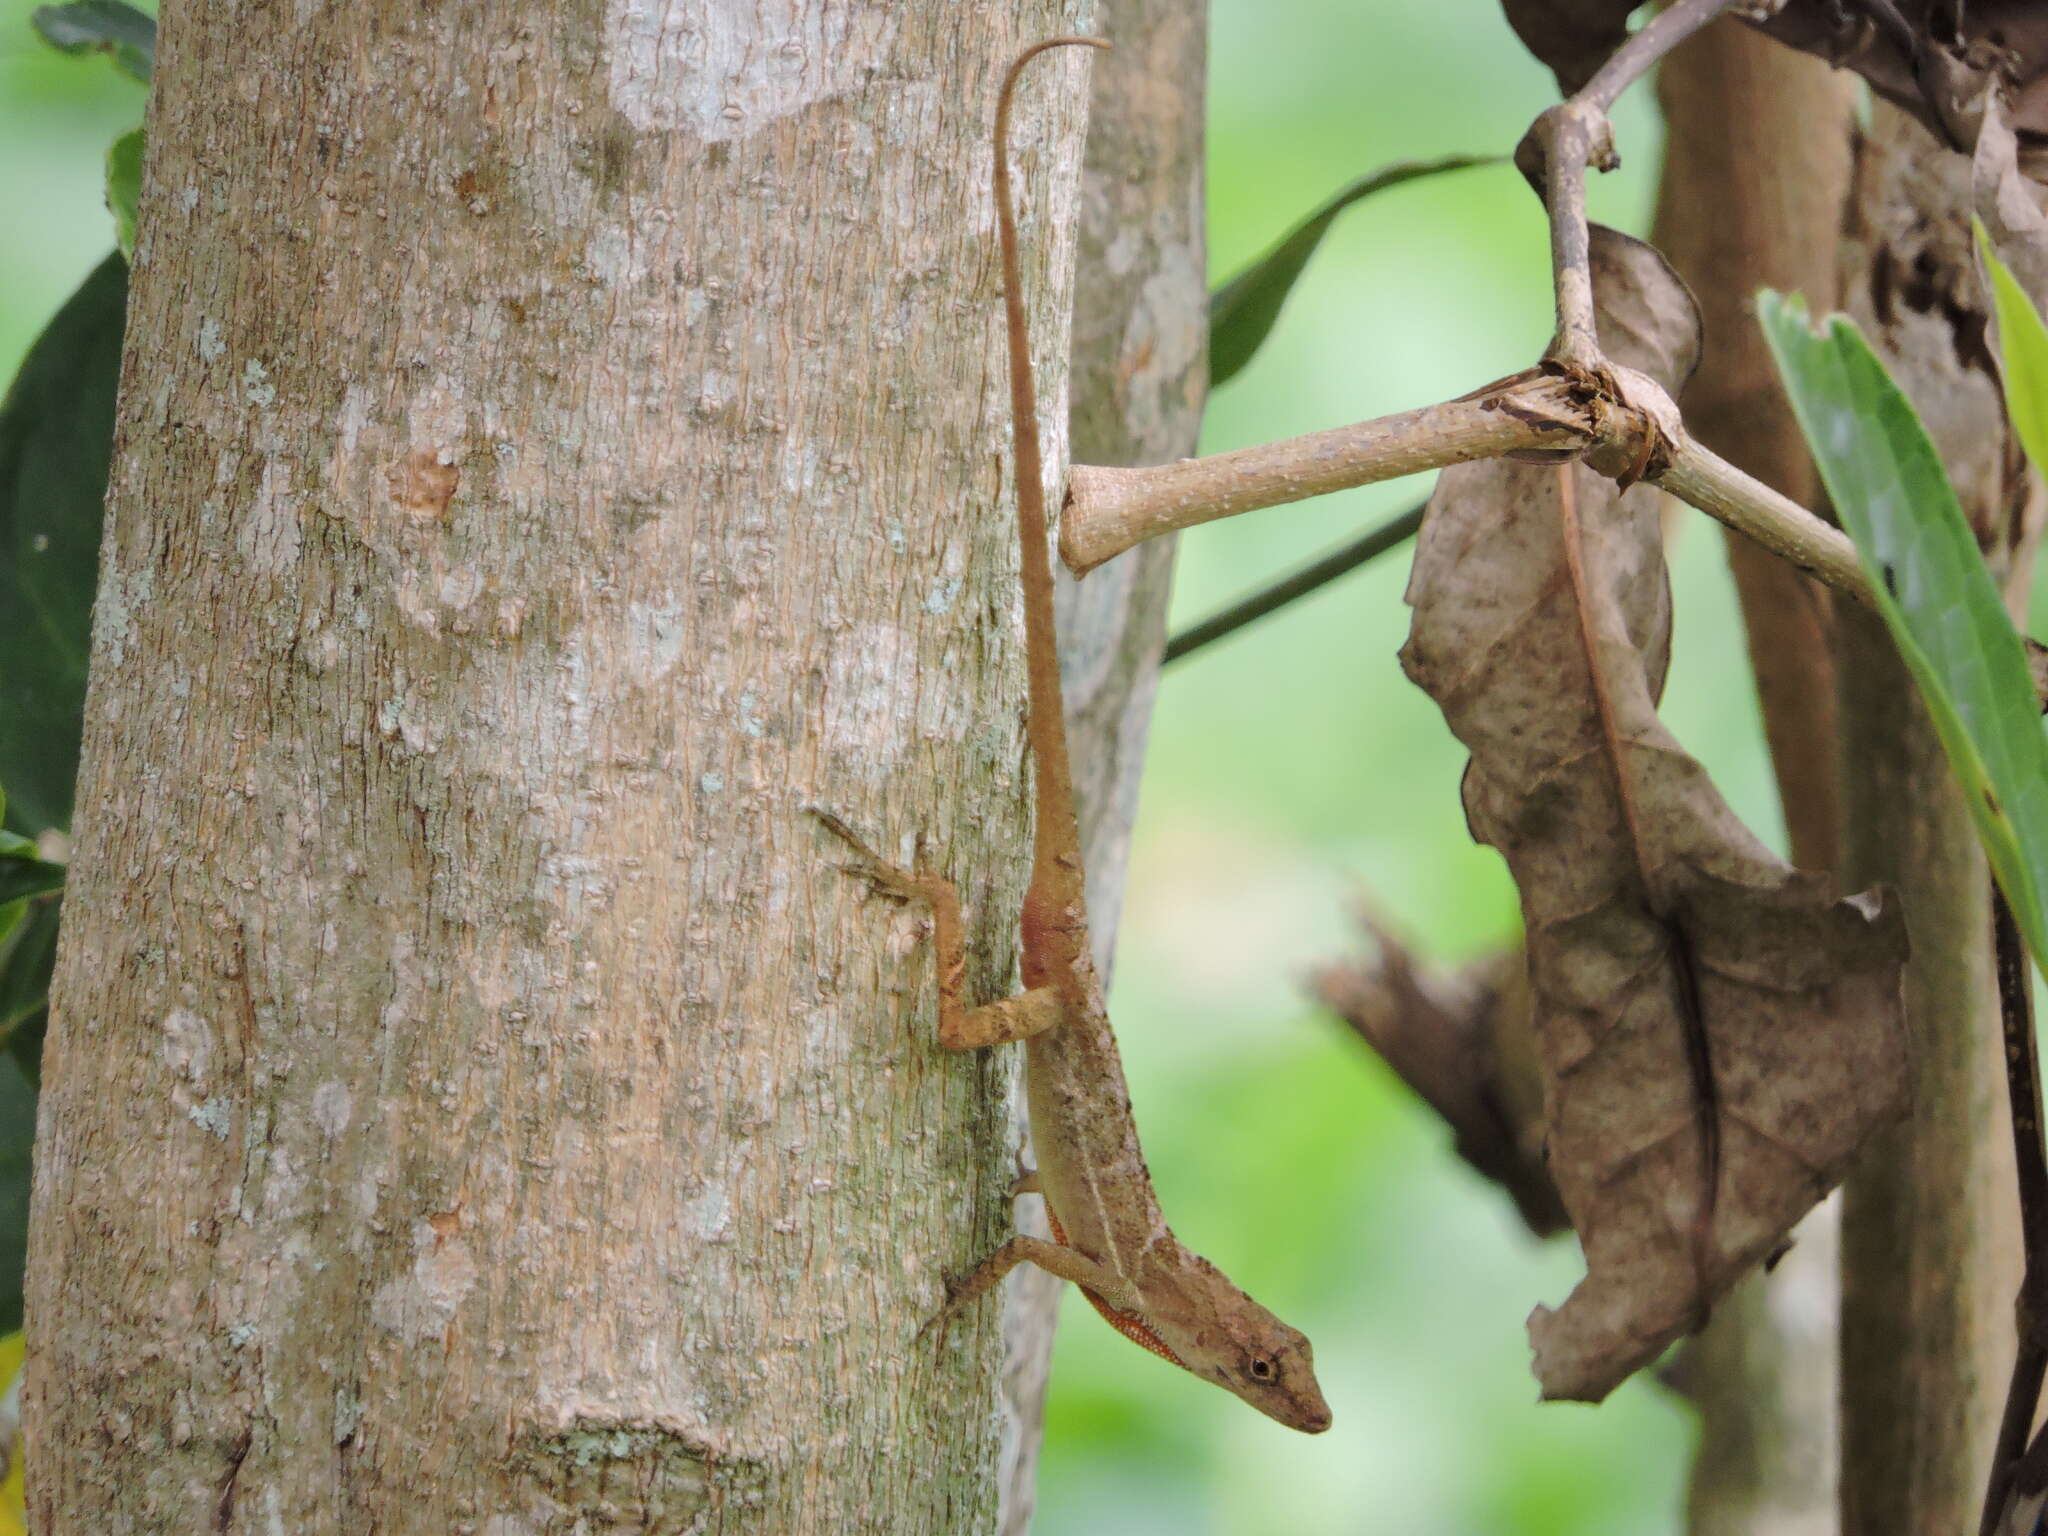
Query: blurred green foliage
[1292,765]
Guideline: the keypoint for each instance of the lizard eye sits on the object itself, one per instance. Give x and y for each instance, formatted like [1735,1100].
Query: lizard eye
[1261,1368]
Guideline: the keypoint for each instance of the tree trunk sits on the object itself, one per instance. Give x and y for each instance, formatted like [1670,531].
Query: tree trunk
[1930,1247]
[1756,173]
[555,446]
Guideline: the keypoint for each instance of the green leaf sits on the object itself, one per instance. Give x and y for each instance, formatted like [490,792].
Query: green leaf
[56,435]
[2023,349]
[102,26]
[124,187]
[23,878]
[1931,585]
[1242,311]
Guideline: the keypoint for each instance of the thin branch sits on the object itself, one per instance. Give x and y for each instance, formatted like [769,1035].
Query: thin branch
[2023,1086]
[1339,562]
[1567,138]
[1109,510]
[1564,140]
[1701,478]
[1646,45]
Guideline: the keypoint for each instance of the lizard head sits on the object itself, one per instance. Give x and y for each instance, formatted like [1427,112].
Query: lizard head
[1222,1335]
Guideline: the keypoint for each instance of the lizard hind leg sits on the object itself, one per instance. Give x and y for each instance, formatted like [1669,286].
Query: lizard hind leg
[961,1028]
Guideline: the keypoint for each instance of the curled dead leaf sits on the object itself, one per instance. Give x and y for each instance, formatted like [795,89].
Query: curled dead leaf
[1719,1035]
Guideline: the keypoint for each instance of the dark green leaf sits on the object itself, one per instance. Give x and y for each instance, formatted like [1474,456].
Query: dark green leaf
[124,187]
[1243,310]
[27,958]
[1930,582]
[102,26]
[17,1137]
[22,878]
[56,435]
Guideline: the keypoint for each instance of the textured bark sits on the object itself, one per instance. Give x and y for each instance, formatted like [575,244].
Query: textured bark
[556,444]
[1756,172]
[1930,1250]
[1139,370]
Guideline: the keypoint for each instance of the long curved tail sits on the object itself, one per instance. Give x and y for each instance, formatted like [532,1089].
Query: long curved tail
[1056,856]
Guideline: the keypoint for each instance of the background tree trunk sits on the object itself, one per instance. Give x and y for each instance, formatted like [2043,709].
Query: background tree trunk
[474,1102]
[1756,174]
[1140,373]
[1930,1244]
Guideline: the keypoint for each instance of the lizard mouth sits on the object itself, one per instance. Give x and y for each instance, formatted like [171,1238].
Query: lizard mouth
[1314,1420]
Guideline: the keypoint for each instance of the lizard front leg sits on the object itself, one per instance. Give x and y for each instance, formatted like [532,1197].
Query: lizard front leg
[1053,1258]
[961,1028]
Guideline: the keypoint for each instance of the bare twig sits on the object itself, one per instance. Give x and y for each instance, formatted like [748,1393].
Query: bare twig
[1570,136]
[1701,478]
[1649,43]
[2023,1086]
[1109,510]
[1563,142]
[1391,534]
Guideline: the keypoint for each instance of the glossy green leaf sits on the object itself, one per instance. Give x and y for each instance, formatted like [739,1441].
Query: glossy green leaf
[2023,354]
[102,26]
[1944,611]
[1243,310]
[56,435]
[124,187]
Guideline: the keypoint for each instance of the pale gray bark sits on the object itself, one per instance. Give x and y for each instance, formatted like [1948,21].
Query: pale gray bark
[557,443]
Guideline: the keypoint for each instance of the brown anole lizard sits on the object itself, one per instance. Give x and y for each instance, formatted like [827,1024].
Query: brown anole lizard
[1110,1237]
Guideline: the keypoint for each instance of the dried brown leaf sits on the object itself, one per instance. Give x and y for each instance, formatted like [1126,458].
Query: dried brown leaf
[1719,1034]
[1933,58]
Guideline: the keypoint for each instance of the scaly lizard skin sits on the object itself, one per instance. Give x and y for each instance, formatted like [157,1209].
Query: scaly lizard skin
[1111,1238]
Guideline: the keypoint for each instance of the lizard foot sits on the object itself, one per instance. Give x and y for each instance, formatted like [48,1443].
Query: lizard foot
[940,1323]
[884,877]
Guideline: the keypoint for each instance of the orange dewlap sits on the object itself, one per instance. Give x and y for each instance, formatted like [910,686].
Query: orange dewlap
[1126,1323]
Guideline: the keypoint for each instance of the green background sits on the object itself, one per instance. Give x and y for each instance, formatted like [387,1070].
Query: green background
[1293,768]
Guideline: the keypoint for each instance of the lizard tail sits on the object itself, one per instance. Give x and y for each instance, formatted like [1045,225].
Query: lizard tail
[1057,838]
